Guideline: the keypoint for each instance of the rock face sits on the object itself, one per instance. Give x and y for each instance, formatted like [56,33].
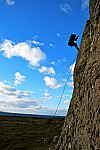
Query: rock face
[81,127]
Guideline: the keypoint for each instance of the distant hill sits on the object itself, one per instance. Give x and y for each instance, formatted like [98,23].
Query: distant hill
[28,115]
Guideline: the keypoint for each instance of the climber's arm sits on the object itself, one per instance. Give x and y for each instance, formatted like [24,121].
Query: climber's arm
[76,38]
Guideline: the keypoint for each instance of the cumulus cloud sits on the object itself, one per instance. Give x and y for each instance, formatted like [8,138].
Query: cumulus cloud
[49,70]
[35,42]
[85,3]
[18,78]
[65,8]
[12,92]
[52,83]
[9,2]
[47,96]
[19,103]
[28,106]
[33,55]
[72,66]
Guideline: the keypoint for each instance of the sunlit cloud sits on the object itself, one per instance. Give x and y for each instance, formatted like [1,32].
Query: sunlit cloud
[10,2]
[46,70]
[47,96]
[45,90]
[52,83]
[72,67]
[33,55]
[53,63]
[18,78]
[12,92]
[31,109]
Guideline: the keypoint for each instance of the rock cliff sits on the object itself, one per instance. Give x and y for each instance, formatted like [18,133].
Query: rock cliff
[81,127]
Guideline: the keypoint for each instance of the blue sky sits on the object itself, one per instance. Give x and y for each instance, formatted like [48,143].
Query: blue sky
[34,56]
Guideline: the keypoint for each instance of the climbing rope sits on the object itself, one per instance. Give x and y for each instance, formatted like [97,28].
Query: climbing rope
[62,92]
[64,89]
[80,32]
[61,97]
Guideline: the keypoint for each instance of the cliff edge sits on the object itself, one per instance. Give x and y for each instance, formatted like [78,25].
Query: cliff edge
[81,127]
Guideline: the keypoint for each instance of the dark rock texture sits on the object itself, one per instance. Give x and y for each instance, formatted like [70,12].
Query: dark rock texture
[82,124]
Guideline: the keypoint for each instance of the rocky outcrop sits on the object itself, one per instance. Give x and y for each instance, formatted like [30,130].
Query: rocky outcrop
[82,125]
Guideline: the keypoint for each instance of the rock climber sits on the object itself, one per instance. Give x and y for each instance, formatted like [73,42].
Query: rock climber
[73,38]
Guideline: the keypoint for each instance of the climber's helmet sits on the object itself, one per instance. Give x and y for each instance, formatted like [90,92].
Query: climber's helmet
[73,34]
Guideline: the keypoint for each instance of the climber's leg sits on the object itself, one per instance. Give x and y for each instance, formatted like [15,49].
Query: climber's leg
[75,44]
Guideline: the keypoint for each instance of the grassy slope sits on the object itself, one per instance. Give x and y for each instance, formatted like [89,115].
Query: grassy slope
[26,133]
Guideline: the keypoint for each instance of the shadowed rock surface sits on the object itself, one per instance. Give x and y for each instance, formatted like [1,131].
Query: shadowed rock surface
[82,124]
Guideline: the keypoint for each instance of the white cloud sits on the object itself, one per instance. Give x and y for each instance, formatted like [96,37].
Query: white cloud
[53,63]
[31,106]
[66,102]
[33,55]
[45,90]
[71,78]
[72,66]
[51,45]
[47,98]
[12,92]
[59,35]
[85,3]
[65,8]
[7,82]
[47,94]
[52,83]
[17,82]
[64,80]
[9,2]
[35,37]
[49,70]
[18,78]
[67,95]
[19,103]
[35,42]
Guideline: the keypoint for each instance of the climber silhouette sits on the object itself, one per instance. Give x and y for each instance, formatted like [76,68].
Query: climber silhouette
[72,39]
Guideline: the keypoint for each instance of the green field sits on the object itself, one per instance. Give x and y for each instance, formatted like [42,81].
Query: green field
[29,133]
